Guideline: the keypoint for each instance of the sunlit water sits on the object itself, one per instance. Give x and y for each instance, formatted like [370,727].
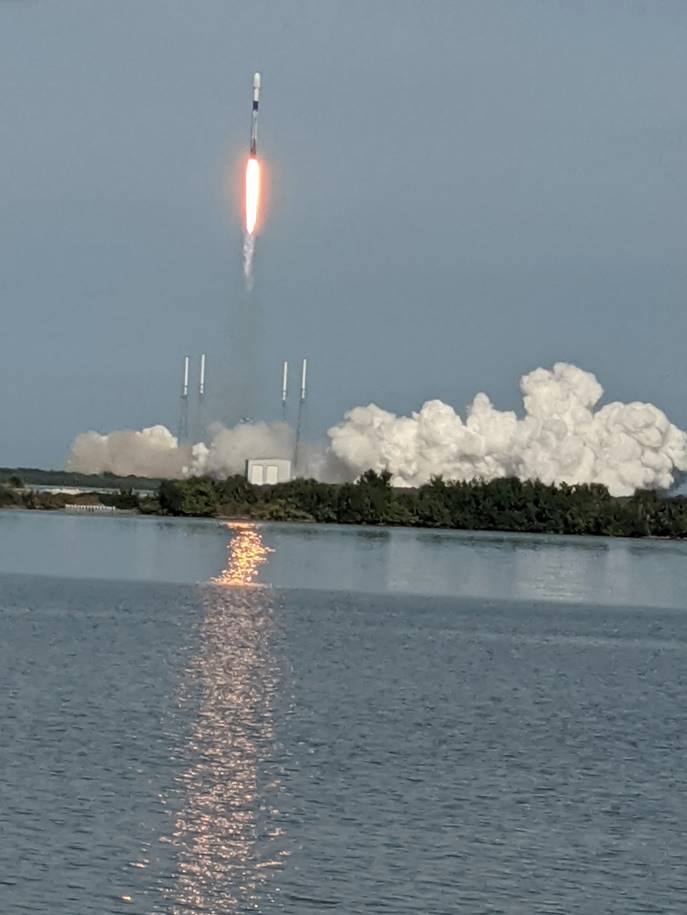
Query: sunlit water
[207,718]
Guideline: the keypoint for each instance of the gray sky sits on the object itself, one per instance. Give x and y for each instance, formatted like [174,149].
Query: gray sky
[458,193]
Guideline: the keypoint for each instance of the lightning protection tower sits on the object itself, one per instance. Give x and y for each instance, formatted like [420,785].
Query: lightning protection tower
[303,396]
[284,389]
[200,418]
[182,431]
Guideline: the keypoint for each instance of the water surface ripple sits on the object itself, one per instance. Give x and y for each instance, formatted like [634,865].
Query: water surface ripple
[228,747]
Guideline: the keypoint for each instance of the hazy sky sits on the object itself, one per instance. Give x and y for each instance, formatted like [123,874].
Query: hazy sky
[459,192]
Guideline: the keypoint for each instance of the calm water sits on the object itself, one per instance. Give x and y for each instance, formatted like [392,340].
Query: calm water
[203,718]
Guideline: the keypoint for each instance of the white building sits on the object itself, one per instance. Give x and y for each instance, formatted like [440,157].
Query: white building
[268,471]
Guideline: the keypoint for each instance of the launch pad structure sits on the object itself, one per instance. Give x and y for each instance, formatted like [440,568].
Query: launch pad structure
[183,424]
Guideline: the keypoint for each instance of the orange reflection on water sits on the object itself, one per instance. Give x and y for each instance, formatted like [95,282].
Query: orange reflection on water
[227,832]
[247,553]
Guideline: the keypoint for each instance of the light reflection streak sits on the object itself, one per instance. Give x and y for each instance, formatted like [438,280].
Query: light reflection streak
[247,553]
[227,836]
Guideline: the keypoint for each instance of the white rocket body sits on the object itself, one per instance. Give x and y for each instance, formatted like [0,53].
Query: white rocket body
[254,121]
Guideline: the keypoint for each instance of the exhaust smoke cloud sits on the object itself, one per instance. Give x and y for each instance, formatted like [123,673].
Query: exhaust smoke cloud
[151,452]
[561,437]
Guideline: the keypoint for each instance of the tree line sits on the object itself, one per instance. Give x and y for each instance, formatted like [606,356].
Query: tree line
[499,505]
[35,476]
[14,494]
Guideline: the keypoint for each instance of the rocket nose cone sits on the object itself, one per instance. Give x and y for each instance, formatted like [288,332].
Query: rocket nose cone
[256,80]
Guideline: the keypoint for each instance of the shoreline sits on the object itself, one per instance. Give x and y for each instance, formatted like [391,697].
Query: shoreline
[504,505]
[313,523]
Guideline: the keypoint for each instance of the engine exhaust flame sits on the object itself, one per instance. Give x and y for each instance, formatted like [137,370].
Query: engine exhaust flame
[252,194]
[252,207]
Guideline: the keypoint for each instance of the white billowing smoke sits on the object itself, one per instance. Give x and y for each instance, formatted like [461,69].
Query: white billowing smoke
[152,452]
[155,452]
[561,438]
[230,448]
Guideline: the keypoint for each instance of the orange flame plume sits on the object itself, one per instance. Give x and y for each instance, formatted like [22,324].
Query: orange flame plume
[252,194]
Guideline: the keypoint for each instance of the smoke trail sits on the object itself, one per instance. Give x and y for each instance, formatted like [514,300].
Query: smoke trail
[248,252]
[562,437]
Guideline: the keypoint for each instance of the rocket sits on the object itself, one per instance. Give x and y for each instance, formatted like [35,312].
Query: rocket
[254,122]
[252,197]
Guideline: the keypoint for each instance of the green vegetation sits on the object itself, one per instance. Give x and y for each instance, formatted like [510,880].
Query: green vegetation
[500,505]
[198,497]
[19,497]
[33,476]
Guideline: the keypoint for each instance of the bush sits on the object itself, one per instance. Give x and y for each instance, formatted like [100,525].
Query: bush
[8,498]
[280,510]
[147,505]
[124,500]
[197,496]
